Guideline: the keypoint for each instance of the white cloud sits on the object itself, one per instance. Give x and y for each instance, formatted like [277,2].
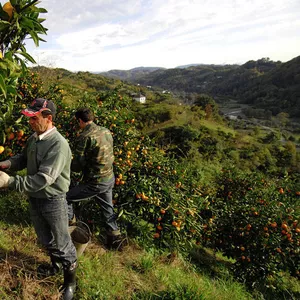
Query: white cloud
[102,35]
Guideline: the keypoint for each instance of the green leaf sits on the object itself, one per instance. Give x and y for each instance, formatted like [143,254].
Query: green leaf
[27,23]
[19,120]
[27,56]
[3,137]
[29,4]
[120,213]
[41,20]
[11,90]
[3,24]
[42,10]
[2,86]
[24,67]
[34,37]
[3,66]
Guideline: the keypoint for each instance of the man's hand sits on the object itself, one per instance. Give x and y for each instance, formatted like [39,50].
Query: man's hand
[4,178]
[5,164]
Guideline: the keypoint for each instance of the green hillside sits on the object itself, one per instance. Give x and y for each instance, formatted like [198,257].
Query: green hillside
[272,86]
[173,196]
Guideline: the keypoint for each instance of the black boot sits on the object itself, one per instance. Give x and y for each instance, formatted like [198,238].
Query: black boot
[116,242]
[69,286]
[46,270]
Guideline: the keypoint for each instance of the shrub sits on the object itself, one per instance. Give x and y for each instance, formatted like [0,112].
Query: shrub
[255,221]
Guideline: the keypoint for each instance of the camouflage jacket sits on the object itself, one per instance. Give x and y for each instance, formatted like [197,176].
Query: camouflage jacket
[93,154]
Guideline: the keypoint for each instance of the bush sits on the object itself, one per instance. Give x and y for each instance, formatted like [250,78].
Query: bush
[255,221]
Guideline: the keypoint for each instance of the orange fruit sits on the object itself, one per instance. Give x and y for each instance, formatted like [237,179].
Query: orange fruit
[274,225]
[9,9]
[1,149]
[20,132]
[11,136]
[156,235]
[159,227]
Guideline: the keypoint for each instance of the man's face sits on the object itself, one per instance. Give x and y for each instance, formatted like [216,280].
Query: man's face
[81,123]
[39,124]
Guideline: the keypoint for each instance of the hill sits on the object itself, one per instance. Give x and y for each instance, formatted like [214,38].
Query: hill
[130,75]
[264,84]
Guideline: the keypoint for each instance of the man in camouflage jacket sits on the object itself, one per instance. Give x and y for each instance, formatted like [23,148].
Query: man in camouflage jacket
[93,156]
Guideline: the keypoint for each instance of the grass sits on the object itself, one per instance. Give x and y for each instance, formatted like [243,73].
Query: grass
[131,274]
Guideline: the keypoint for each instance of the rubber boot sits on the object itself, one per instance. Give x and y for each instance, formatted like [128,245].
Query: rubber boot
[116,242]
[69,286]
[46,270]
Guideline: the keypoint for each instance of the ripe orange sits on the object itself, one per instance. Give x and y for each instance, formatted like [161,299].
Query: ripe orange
[281,191]
[274,225]
[9,9]
[144,197]
[159,227]
[1,149]
[20,132]
[156,235]
[11,136]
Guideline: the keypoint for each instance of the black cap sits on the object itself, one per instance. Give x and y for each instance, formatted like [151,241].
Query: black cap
[38,105]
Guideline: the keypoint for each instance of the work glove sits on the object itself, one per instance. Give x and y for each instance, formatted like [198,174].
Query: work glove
[4,178]
[5,164]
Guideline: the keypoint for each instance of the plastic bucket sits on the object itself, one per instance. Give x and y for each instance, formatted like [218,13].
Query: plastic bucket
[81,236]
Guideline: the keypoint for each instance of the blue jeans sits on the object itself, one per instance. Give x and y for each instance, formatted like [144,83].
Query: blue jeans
[102,193]
[50,220]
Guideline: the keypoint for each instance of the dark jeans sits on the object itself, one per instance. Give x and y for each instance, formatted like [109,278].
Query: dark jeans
[102,193]
[50,220]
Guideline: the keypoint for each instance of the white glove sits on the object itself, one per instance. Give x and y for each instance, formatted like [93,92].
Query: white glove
[4,178]
[5,164]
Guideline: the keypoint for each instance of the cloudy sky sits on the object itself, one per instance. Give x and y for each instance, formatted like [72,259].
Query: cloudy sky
[101,35]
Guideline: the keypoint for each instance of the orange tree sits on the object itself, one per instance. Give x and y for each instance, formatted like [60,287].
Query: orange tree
[19,19]
[157,202]
[255,221]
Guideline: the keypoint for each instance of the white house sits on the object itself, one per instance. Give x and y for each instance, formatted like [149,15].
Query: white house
[140,98]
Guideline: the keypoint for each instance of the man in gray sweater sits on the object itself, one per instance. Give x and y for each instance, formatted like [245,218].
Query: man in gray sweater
[47,157]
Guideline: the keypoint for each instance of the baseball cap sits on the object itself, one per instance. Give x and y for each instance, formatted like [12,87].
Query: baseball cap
[38,105]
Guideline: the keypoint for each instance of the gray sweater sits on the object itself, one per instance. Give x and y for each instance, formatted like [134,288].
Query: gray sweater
[48,164]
